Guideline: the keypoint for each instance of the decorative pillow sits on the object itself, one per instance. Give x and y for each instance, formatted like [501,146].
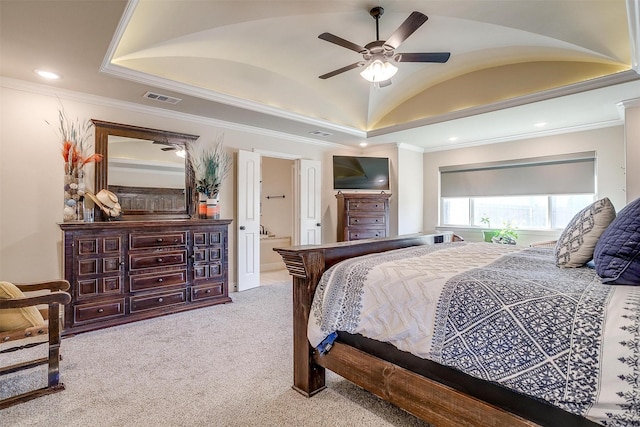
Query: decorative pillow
[617,253]
[576,243]
[17,318]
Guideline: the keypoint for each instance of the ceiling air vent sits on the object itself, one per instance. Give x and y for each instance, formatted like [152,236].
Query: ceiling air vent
[320,133]
[161,98]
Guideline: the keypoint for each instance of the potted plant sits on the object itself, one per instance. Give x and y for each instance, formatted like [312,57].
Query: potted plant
[489,234]
[507,234]
[210,165]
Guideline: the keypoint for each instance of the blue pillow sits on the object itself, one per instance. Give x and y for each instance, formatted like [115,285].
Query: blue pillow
[617,253]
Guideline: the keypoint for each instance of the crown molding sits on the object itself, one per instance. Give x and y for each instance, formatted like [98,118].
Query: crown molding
[529,135]
[598,83]
[45,90]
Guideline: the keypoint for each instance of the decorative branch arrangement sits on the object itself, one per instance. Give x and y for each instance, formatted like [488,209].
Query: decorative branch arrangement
[210,164]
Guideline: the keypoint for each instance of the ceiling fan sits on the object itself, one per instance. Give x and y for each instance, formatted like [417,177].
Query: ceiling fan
[179,149]
[377,54]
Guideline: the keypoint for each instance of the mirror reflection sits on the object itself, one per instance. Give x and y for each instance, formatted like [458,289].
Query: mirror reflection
[146,168]
[143,163]
[147,176]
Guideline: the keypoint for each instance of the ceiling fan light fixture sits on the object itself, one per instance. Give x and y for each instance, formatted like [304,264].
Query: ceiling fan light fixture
[379,71]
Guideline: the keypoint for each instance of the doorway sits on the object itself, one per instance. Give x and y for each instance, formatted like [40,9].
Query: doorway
[306,195]
[276,210]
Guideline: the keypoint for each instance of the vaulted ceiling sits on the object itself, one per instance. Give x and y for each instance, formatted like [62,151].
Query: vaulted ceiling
[513,63]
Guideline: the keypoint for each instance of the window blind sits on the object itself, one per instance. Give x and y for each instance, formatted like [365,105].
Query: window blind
[565,174]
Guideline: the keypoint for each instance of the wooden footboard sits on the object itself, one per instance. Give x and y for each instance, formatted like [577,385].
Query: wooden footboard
[306,264]
[425,398]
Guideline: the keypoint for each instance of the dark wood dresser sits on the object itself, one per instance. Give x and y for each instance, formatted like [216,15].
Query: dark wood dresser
[362,215]
[124,271]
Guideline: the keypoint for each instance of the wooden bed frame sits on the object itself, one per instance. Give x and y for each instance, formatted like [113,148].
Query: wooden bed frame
[425,398]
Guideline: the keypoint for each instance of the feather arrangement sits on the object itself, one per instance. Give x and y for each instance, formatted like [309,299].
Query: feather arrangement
[75,143]
[210,164]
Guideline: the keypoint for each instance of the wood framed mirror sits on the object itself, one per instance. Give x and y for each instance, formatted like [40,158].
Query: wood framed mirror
[144,168]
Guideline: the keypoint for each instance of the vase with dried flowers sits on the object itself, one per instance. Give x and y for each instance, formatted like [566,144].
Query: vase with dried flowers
[210,165]
[75,147]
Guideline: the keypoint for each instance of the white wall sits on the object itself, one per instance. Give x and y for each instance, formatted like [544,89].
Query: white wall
[31,171]
[410,190]
[632,150]
[608,143]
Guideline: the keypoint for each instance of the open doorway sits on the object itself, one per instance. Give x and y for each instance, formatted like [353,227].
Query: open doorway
[306,197]
[277,216]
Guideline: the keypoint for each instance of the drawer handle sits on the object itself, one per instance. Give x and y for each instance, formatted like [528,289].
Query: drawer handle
[159,240]
[159,259]
[377,235]
[160,279]
[355,220]
[208,291]
[376,220]
[160,299]
[101,310]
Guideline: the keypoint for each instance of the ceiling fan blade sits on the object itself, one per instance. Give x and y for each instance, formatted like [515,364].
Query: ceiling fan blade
[173,148]
[440,57]
[342,42]
[408,27]
[342,70]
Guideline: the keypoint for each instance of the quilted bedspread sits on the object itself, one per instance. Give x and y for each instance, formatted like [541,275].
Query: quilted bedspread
[501,313]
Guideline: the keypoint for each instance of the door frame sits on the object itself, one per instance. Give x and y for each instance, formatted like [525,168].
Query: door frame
[296,197]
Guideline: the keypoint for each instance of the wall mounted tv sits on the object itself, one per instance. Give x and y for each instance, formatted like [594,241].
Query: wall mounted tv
[360,173]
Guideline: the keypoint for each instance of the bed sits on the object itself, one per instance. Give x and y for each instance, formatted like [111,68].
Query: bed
[449,383]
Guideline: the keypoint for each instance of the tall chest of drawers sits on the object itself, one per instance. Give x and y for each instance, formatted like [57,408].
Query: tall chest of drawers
[132,270]
[362,216]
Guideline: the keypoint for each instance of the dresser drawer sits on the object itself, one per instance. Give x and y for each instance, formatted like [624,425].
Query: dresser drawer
[367,233]
[210,290]
[141,282]
[205,238]
[365,205]
[95,312]
[147,240]
[207,254]
[87,288]
[150,302]
[366,220]
[157,259]
[207,271]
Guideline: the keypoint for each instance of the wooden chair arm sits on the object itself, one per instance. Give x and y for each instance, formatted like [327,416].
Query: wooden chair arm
[52,285]
[52,298]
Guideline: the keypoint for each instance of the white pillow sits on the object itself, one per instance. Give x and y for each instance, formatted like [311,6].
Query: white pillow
[578,240]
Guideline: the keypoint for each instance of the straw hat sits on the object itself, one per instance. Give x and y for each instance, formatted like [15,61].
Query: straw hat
[107,201]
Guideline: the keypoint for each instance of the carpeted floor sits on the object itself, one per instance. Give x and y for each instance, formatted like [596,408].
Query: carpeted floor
[227,365]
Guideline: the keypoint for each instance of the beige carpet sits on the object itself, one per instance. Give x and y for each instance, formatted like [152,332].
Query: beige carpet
[226,365]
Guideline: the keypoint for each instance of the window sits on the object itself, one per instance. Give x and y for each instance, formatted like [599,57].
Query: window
[530,212]
[540,193]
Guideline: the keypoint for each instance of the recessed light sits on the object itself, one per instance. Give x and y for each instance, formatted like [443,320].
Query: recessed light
[49,75]
[540,124]
[453,138]
[363,144]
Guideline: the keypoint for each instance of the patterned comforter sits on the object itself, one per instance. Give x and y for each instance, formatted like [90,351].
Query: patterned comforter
[501,313]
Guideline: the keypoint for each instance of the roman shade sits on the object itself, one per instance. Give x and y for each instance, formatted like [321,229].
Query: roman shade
[563,174]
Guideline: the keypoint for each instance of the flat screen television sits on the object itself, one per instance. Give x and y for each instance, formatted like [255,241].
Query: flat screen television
[360,173]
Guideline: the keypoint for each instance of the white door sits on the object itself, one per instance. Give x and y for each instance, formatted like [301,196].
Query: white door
[248,224]
[309,197]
